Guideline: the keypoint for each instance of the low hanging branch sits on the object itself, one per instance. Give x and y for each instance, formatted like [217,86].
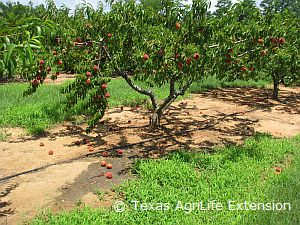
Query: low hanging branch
[139,89]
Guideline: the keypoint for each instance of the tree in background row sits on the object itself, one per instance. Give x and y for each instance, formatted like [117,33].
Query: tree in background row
[222,7]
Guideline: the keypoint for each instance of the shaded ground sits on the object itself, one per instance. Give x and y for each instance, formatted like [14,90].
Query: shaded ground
[218,117]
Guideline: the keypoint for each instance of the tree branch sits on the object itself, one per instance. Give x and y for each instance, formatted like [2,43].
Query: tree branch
[139,89]
[184,88]
[173,95]
[172,86]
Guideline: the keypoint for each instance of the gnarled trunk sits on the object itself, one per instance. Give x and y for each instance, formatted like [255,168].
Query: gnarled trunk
[158,108]
[155,120]
[275,87]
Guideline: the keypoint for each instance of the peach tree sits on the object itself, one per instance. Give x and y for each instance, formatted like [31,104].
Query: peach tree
[168,47]
[279,54]
[139,46]
[175,47]
[258,44]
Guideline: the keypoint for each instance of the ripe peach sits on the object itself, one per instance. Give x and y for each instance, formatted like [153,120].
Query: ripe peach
[281,40]
[180,65]
[109,166]
[120,152]
[188,60]
[145,56]
[104,154]
[108,175]
[196,56]
[243,68]
[96,68]
[35,82]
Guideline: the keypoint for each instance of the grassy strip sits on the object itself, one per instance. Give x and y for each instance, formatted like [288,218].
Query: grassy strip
[35,113]
[38,112]
[213,82]
[237,173]
[287,189]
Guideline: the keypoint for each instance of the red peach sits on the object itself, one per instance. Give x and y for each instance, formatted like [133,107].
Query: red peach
[145,56]
[196,56]
[109,166]
[108,175]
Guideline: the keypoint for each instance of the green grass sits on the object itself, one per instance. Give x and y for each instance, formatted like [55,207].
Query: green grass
[238,173]
[212,82]
[39,111]
[36,112]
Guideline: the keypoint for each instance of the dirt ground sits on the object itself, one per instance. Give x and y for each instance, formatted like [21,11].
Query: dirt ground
[217,117]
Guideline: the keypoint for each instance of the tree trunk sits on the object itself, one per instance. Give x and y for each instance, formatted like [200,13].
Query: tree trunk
[155,120]
[275,88]
[275,91]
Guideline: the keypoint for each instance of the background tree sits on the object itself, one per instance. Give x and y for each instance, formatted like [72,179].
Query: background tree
[222,7]
[155,5]
[274,6]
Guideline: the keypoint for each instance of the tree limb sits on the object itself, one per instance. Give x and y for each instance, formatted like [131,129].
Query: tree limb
[139,89]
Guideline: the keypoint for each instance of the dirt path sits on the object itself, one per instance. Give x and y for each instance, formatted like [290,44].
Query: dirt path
[217,117]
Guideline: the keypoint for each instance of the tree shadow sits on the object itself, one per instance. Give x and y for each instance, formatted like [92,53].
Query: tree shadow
[179,133]
[180,124]
[7,191]
[174,131]
[257,98]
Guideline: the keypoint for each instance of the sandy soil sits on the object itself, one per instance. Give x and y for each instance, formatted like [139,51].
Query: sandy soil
[218,117]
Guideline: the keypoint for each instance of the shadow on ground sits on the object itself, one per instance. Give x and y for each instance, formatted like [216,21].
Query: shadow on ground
[257,98]
[5,204]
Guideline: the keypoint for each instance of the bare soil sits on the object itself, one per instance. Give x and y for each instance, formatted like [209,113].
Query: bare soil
[217,117]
